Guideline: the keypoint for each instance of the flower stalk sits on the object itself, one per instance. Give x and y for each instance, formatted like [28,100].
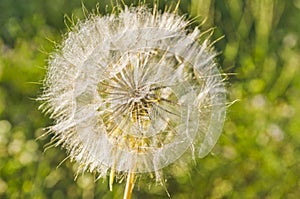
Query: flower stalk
[129,185]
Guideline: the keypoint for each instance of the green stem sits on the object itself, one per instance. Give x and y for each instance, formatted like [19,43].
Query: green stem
[129,186]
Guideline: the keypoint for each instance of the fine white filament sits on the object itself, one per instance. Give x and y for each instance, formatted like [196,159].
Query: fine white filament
[133,92]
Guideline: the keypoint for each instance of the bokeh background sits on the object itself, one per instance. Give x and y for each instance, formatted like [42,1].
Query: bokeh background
[258,154]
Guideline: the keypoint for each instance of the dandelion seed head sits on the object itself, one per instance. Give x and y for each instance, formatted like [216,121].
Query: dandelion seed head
[133,92]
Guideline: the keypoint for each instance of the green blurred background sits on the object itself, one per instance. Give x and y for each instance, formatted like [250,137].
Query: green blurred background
[258,154]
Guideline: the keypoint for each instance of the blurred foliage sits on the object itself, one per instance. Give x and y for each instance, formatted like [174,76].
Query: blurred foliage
[257,156]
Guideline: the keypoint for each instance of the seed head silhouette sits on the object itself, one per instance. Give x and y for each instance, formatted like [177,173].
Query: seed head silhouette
[132,92]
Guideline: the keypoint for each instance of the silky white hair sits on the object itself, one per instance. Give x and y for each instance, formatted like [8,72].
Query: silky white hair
[133,91]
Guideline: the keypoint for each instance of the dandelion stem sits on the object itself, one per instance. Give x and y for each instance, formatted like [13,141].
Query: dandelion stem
[111,178]
[129,186]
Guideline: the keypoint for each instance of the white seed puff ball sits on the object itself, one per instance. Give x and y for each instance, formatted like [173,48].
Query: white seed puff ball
[133,91]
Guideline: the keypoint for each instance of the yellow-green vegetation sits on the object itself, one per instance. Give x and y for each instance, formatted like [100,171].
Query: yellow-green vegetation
[258,154]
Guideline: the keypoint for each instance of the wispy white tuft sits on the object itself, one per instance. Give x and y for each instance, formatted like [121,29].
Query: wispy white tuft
[132,92]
